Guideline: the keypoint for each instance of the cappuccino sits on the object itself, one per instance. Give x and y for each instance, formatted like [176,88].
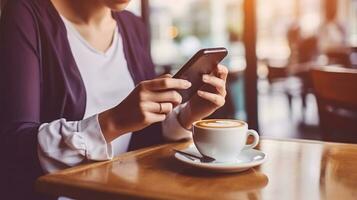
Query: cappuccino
[222,139]
[219,123]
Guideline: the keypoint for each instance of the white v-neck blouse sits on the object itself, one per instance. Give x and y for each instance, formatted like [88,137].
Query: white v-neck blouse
[105,75]
[107,81]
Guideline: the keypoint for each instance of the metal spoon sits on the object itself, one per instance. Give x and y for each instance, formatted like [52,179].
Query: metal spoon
[204,159]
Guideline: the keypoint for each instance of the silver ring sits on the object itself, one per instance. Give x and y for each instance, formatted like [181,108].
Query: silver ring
[160,108]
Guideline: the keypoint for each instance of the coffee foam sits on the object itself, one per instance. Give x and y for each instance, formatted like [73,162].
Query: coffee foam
[219,123]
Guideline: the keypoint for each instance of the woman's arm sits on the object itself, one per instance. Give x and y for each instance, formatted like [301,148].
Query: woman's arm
[29,147]
[67,143]
[19,98]
[172,129]
[64,144]
[148,103]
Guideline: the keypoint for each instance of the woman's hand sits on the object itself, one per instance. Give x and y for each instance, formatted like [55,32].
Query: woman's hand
[148,103]
[208,99]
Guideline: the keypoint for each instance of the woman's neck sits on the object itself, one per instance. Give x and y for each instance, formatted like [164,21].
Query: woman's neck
[83,12]
[92,20]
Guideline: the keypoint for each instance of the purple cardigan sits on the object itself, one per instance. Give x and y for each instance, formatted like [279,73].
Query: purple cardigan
[40,82]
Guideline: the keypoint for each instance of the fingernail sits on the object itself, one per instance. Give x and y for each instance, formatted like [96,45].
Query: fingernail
[205,78]
[188,84]
[199,92]
[221,69]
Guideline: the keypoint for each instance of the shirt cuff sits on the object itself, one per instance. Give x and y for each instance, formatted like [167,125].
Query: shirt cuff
[172,130]
[96,146]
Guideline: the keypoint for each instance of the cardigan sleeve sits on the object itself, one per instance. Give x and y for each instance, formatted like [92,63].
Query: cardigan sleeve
[172,130]
[19,98]
[65,144]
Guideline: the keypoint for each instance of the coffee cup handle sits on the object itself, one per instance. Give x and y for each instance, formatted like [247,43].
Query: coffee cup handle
[256,139]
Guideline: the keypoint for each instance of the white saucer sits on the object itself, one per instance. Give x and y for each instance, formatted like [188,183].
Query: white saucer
[246,160]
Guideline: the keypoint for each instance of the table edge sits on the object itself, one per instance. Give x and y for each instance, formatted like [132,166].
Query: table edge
[43,184]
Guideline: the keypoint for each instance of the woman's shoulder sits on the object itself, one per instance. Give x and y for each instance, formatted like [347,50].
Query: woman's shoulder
[23,10]
[128,15]
[18,16]
[11,3]
[133,25]
[21,5]
[16,7]
[130,20]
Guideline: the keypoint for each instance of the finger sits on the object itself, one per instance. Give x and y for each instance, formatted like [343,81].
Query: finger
[216,82]
[151,117]
[214,98]
[222,72]
[166,83]
[170,96]
[164,108]
[155,107]
[165,76]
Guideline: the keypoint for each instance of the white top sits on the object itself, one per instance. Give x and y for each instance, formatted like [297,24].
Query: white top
[107,82]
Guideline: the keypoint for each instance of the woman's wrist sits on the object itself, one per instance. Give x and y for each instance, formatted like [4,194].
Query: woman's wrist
[185,118]
[108,126]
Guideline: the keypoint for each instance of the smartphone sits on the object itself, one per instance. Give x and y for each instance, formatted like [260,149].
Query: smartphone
[203,62]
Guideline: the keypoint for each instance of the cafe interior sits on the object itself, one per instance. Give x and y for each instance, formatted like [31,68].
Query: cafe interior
[292,77]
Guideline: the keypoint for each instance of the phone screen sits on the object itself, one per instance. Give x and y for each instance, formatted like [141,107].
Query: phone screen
[203,62]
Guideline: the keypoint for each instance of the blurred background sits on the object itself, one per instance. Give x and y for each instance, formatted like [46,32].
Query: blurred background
[274,45]
[292,63]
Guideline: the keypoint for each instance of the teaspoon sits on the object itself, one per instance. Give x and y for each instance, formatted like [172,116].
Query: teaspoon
[204,159]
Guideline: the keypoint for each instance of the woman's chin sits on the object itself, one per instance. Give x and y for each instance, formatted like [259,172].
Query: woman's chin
[118,5]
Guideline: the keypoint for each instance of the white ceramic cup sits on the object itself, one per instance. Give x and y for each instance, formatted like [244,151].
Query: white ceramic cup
[222,141]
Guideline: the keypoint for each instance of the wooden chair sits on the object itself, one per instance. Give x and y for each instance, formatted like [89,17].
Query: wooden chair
[292,86]
[277,78]
[336,92]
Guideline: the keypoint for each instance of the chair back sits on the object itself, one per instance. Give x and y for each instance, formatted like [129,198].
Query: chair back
[276,74]
[336,92]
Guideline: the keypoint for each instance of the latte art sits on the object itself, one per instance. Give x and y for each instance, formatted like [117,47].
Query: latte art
[222,139]
[219,123]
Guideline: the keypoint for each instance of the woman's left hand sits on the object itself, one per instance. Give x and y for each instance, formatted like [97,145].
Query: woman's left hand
[208,98]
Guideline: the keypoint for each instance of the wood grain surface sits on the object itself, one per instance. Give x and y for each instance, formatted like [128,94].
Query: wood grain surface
[295,169]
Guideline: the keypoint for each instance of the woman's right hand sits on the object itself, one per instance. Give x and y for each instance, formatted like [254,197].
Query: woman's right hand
[148,103]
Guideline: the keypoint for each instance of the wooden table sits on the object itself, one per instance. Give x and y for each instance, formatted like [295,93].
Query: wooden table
[295,169]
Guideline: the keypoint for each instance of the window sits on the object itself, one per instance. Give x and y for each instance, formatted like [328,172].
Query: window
[180,28]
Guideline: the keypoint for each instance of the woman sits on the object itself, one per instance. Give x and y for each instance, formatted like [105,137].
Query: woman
[78,84]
